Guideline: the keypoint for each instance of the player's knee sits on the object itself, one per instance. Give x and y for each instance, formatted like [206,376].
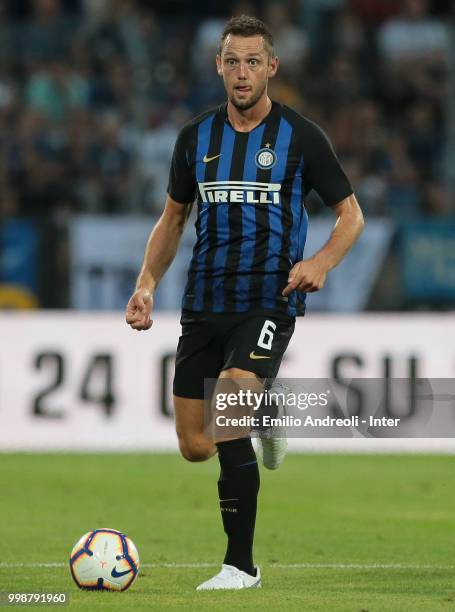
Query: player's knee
[236,373]
[195,448]
[194,453]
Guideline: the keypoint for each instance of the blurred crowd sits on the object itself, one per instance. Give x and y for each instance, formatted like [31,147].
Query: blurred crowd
[93,93]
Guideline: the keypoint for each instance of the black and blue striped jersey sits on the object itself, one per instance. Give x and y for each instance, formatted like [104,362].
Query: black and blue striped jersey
[251,220]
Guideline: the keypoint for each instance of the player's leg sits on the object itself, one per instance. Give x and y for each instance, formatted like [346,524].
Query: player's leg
[258,345]
[198,357]
[238,488]
[189,423]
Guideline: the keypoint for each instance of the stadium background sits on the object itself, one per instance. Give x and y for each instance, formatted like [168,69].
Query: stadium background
[92,95]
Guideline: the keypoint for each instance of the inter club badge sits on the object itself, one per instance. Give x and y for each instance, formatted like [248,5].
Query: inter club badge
[265,158]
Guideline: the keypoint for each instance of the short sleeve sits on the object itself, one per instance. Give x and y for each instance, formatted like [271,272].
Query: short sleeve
[322,170]
[182,184]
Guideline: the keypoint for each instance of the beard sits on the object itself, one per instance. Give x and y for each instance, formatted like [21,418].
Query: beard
[246,104]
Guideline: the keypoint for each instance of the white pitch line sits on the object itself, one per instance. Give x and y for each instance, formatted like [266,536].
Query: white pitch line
[360,566]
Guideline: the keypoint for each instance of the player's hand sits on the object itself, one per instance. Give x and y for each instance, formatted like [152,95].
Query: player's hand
[138,310]
[308,276]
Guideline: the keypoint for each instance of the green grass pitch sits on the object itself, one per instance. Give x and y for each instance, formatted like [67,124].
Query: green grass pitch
[334,532]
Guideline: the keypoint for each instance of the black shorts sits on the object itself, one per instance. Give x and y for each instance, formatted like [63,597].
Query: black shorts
[254,341]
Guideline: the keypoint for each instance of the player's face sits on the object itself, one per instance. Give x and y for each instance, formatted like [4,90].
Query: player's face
[246,66]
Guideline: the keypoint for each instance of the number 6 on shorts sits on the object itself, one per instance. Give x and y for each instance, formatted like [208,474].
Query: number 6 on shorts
[266,335]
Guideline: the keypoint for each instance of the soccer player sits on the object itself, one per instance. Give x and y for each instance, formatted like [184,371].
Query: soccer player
[248,163]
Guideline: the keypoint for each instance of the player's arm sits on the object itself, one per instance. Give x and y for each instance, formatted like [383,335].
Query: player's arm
[165,237]
[323,172]
[309,275]
[159,253]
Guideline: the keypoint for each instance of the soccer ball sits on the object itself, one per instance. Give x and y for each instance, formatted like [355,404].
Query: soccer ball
[104,560]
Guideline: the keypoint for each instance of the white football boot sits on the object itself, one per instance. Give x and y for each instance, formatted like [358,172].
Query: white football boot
[231,578]
[271,442]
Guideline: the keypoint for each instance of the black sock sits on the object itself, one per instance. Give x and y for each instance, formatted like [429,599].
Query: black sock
[238,488]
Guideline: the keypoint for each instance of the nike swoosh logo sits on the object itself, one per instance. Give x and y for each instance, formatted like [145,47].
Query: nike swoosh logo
[206,159]
[254,356]
[116,574]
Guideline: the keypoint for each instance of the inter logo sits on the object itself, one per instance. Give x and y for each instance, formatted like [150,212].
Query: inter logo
[265,158]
